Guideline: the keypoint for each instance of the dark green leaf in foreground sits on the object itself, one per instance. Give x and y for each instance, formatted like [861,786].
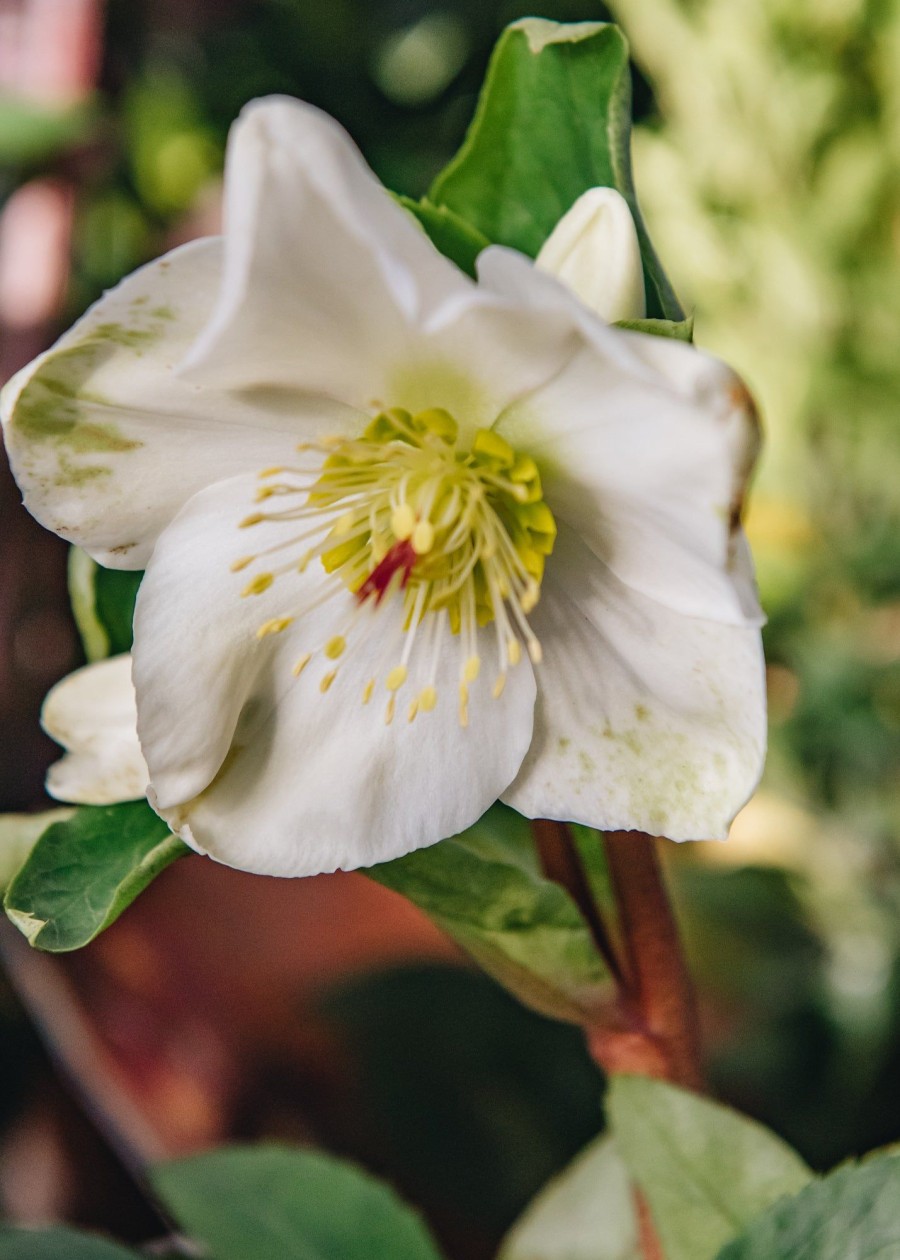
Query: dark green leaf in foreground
[485,889]
[265,1202]
[706,1171]
[451,235]
[853,1214]
[103,605]
[84,871]
[553,120]
[58,1244]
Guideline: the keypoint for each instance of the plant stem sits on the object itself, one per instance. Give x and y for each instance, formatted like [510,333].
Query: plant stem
[659,1004]
[561,862]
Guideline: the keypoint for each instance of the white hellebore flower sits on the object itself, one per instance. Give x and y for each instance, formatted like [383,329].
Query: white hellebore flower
[412,543]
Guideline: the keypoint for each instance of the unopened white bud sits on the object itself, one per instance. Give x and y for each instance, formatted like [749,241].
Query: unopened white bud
[594,249]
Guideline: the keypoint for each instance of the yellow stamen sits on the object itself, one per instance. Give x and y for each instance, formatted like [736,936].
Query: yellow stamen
[237,565]
[260,583]
[389,711]
[253,519]
[423,538]
[274,626]
[302,664]
[427,699]
[514,651]
[413,710]
[327,680]
[403,522]
[367,691]
[335,647]
[535,651]
[472,668]
[499,684]
[397,677]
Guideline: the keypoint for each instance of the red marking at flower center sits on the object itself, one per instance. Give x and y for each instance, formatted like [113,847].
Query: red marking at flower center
[400,558]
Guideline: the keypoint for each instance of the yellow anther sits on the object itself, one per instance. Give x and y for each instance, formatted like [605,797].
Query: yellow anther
[335,647]
[472,668]
[344,524]
[265,492]
[530,597]
[535,651]
[413,710]
[237,565]
[463,704]
[423,538]
[427,699]
[302,664]
[389,711]
[270,472]
[327,680]
[367,690]
[499,684]
[403,522]
[304,560]
[330,439]
[273,626]
[514,651]
[260,583]
[253,519]
[397,677]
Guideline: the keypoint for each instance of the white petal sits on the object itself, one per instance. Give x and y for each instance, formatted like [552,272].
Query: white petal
[92,714]
[324,271]
[594,249]
[107,443]
[645,445]
[646,720]
[261,769]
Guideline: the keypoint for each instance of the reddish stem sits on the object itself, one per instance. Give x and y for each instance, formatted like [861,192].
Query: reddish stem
[661,1035]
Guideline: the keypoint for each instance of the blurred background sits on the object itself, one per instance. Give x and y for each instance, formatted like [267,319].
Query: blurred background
[767,155]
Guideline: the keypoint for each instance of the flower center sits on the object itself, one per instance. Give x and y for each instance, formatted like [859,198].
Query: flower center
[405,511]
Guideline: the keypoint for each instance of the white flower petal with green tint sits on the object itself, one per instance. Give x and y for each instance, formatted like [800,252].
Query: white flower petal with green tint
[343,464]
[109,443]
[646,720]
[267,771]
[92,714]
[594,249]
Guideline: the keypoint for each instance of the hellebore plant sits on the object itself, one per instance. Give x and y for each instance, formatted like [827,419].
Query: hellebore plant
[413,542]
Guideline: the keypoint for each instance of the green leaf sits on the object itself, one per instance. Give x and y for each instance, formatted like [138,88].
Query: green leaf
[18,835]
[102,604]
[484,888]
[456,239]
[678,330]
[58,1244]
[31,133]
[852,1214]
[585,1213]
[270,1201]
[706,1171]
[553,120]
[85,870]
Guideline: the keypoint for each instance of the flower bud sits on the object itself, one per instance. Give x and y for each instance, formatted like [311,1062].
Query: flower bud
[594,249]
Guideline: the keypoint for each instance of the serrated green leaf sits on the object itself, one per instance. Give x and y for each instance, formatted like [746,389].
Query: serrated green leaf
[102,604]
[585,1213]
[553,120]
[705,1170]
[58,1244]
[31,133]
[84,871]
[270,1201]
[677,330]
[852,1214]
[484,888]
[451,235]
